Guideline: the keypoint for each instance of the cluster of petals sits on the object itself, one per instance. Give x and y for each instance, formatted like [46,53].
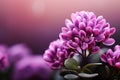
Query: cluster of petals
[31,68]
[18,52]
[56,54]
[112,57]
[85,30]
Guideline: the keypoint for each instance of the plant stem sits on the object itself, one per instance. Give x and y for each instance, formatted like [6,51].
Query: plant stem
[83,58]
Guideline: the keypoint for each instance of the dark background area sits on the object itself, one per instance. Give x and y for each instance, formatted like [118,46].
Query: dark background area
[38,22]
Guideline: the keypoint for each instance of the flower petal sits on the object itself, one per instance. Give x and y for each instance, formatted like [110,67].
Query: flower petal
[112,31]
[69,24]
[81,25]
[47,57]
[56,65]
[99,18]
[63,36]
[110,61]
[117,65]
[109,42]
[109,53]
[89,30]
[84,46]
[103,58]
[82,34]
[117,47]
[64,29]
[75,31]
[96,32]
[76,39]
[100,38]
[95,49]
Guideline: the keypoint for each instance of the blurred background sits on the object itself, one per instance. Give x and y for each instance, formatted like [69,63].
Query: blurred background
[38,22]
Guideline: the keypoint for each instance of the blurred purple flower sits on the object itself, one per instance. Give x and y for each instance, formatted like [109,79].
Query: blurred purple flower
[17,52]
[85,30]
[31,68]
[112,57]
[57,54]
[4,63]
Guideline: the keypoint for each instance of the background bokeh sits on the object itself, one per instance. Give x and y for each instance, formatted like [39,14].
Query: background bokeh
[38,22]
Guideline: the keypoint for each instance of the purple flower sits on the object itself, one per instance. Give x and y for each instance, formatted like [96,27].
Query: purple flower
[57,54]
[17,52]
[85,30]
[4,63]
[112,57]
[31,68]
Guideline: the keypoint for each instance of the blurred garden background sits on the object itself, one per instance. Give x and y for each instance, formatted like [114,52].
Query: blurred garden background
[38,22]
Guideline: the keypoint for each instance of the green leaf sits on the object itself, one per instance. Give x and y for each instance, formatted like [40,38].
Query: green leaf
[71,64]
[92,64]
[85,75]
[86,70]
[89,65]
[70,76]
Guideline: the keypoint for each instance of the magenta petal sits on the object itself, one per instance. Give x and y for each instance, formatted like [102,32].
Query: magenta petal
[112,31]
[107,25]
[89,30]
[103,58]
[99,18]
[117,54]
[92,15]
[117,65]
[56,65]
[102,22]
[98,26]
[109,53]
[96,32]
[84,46]
[68,23]
[90,23]
[64,29]
[100,38]
[90,40]
[110,61]
[109,42]
[73,17]
[75,45]
[75,31]
[82,34]
[76,39]
[60,54]
[63,36]
[117,47]
[95,49]
[82,25]
[48,58]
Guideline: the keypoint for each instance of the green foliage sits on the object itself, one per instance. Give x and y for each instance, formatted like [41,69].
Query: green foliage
[71,64]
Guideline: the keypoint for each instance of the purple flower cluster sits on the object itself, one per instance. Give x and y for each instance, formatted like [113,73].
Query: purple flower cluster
[85,30]
[112,57]
[81,34]
[18,52]
[56,54]
[31,68]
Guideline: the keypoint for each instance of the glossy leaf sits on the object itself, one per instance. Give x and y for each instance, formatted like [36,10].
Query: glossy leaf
[71,76]
[85,75]
[71,63]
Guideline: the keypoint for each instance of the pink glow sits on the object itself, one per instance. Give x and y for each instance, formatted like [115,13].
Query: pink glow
[22,21]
